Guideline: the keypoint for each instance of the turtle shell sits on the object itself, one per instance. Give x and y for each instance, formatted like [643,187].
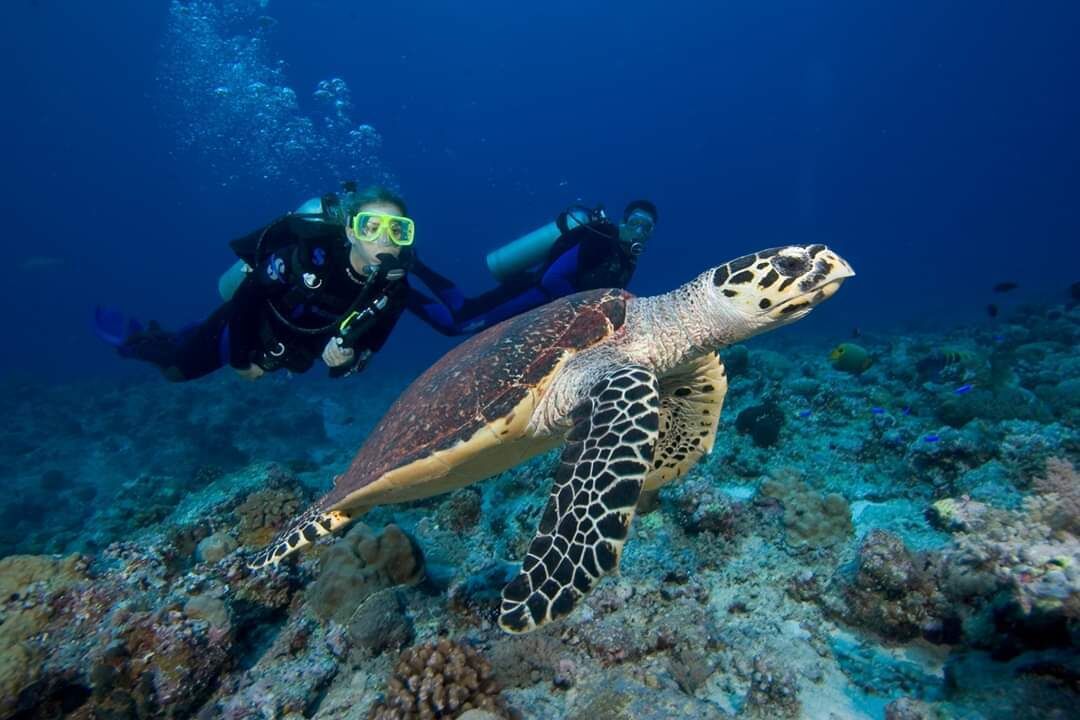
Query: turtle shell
[435,426]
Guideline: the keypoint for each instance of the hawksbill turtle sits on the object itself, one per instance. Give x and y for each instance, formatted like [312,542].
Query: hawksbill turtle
[632,387]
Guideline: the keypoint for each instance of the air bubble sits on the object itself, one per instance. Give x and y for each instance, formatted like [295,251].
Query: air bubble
[229,103]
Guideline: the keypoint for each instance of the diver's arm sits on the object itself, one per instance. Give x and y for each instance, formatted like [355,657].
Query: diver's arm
[501,303]
[558,277]
[374,339]
[442,287]
[522,302]
[434,313]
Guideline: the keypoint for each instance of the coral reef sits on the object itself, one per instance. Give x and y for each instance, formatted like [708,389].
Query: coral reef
[1059,487]
[263,512]
[905,548]
[360,564]
[810,518]
[761,422]
[774,692]
[440,680]
[893,592]
[29,585]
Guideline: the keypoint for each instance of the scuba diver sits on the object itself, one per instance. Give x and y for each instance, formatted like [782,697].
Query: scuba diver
[324,282]
[581,250]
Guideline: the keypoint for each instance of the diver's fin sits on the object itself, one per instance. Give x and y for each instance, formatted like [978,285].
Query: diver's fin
[113,326]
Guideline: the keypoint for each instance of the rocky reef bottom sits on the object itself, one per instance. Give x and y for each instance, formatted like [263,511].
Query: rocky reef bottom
[898,539]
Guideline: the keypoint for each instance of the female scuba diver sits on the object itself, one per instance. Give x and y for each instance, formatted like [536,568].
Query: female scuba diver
[330,284]
[581,250]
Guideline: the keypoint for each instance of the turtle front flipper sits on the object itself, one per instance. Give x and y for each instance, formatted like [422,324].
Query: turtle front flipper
[303,530]
[691,398]
[608,453]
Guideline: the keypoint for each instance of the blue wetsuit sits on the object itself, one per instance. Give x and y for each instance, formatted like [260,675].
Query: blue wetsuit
[585,258]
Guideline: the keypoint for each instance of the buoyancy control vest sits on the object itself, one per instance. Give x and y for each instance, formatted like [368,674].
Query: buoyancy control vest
[310,292]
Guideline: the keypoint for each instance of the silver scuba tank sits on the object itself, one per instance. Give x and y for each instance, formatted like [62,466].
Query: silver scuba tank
[231,278]
[531,248]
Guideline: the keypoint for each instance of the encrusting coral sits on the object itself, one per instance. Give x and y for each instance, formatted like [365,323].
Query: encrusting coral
[894,592]
[810,519]
[360,564]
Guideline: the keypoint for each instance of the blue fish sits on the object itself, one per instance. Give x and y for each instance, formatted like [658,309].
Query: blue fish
[804,413]
[931,438]
[907,410]
[877,410]
[963,389]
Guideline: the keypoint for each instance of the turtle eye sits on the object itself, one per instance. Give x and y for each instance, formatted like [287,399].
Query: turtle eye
[790,266]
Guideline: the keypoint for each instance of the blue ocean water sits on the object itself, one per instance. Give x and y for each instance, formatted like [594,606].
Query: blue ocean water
[934,144]
[900,525]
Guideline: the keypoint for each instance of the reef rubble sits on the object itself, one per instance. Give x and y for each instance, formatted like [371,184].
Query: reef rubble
[901,542]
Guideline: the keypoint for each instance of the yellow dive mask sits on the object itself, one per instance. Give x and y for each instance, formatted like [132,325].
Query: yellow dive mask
[368,226]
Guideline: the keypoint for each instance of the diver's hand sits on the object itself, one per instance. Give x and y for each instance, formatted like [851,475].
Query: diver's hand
[335,355]
[251,372]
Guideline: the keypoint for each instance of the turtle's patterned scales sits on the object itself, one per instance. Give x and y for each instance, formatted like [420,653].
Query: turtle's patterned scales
[690,404]
[480,380]
[631,386]
[600,475]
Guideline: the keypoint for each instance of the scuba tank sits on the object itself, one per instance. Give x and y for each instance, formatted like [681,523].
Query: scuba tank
[315,210]
[533,247]
[230,279]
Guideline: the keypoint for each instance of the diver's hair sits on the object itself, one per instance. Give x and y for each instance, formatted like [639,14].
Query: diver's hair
[350,202]
[643,205]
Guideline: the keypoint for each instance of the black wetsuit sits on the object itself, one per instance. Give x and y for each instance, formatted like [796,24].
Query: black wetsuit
[286,309]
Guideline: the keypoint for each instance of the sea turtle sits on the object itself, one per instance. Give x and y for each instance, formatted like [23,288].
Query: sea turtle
[632,386]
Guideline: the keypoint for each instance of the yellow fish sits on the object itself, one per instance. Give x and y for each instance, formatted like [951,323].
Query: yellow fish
[851,358]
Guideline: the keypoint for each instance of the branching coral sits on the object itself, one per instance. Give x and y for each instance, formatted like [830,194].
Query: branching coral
[439,680]
[1059,487]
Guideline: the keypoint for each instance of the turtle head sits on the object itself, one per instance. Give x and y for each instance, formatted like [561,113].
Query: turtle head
[774,287]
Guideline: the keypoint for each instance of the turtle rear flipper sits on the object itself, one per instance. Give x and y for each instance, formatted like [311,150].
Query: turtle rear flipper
[304,529]
[608,454]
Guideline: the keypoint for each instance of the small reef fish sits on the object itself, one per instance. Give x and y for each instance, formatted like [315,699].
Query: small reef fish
[877,410]
[992,310]
[803,413]
[931,438]
[40,262]
[963,389]
[938,360]
[1004,287]
[850,358]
